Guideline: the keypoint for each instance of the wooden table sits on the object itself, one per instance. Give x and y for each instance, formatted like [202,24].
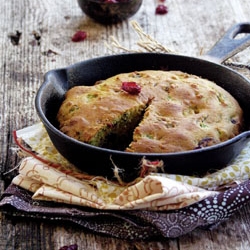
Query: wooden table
[45,28]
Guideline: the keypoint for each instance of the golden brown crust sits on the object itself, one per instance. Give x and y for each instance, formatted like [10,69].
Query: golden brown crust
[182,111]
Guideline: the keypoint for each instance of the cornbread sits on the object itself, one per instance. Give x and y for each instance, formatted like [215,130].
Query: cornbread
[173,111]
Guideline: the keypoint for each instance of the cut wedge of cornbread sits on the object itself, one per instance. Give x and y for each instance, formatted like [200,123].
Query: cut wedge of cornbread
[96,114]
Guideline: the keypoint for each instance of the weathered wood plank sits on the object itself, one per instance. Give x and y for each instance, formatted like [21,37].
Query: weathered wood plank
[46,28]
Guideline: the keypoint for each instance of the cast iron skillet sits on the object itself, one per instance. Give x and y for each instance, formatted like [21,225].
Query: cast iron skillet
[97,161]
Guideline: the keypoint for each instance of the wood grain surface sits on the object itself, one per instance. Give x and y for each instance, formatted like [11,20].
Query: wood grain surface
[36,37]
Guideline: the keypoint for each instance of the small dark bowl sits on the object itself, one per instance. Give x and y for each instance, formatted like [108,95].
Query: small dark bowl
[109,12]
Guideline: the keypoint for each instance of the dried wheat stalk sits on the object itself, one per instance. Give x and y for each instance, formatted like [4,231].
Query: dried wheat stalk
[146,43]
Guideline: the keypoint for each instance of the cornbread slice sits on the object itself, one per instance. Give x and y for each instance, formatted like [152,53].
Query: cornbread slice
[174,111]
[96,114]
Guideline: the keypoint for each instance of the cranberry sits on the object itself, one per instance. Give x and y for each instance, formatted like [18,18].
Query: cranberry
[161,9]
[234,121]
[131,87]
[206,142]
[79,36]
[70,247]
[114,1]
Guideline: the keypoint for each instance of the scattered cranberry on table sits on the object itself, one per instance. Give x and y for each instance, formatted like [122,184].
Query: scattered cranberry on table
[161,9]
[114,1]
[70,247]
[79,36]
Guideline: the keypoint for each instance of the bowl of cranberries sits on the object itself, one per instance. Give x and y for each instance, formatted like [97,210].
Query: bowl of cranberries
[109,11]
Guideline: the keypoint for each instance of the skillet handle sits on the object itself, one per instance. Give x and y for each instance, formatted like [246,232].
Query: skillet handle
[229,45]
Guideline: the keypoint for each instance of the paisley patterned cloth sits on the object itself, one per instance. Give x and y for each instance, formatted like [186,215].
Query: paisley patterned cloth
[132,224]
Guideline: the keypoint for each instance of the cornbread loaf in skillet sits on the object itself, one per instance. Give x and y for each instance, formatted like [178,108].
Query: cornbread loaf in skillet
[173,111]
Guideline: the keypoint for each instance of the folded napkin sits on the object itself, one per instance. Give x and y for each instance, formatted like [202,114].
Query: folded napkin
[66,184]
[48,187]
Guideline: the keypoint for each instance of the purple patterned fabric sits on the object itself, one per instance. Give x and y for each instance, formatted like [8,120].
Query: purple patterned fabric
[135,224]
